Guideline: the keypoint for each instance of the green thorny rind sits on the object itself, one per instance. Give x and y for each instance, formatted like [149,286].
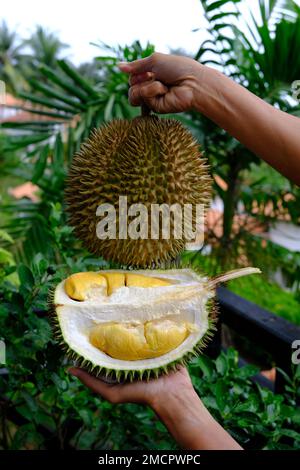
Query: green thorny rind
[148,160]
[130,375]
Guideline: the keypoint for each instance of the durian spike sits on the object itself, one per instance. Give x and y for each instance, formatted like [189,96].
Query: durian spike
[215,281]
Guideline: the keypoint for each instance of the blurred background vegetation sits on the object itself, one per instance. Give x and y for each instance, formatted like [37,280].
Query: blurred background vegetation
[54,106]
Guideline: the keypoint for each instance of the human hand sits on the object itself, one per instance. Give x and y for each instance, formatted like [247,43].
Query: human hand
[165,83]
[176,403]
[149,393]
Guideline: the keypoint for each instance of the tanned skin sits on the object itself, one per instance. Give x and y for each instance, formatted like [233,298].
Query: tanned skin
[170,84]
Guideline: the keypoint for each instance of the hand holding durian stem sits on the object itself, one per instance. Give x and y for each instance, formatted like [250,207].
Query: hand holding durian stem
[171,84]
[176,403]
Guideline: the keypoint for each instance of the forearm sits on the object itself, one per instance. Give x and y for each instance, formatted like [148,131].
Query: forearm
[190,423]
[269,133]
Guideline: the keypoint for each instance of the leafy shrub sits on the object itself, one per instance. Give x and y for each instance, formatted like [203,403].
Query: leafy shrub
[255,416]
[43,407]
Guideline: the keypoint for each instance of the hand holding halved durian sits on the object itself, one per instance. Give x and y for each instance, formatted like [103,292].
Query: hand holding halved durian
[174,400]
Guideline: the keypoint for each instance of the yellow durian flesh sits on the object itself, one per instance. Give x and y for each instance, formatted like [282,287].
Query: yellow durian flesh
[134,341]
[78,286]
[127,341]
[140,280]
[114,281]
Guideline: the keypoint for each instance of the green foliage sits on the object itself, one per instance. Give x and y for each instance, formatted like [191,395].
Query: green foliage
[10,53]
[43,407]
[257,54]
[7,261]
[74,107]
[45,47]
[253,415]
[269,296]
[268,196]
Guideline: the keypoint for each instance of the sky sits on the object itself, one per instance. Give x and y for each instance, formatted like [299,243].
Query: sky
[165,23]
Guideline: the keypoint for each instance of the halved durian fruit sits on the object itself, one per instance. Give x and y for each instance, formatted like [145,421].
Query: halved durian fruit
[136,324]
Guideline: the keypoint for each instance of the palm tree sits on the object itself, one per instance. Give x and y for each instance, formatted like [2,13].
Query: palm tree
[10,48]
[91,71]
[73,105]
[9,45]
[45,46]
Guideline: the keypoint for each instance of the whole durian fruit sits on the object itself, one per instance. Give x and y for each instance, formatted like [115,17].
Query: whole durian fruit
[150,161]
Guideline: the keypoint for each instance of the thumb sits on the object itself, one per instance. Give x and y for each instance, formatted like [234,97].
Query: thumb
[137,66]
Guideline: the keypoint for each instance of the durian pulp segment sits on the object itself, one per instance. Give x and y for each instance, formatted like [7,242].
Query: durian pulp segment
[134,341]
[82,286]
[114,281]
[128,341]
[141,280]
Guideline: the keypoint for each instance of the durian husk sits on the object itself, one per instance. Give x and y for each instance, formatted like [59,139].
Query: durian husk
[149,160]
[178,298]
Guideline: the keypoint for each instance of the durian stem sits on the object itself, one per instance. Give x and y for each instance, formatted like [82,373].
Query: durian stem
[231,275]
[210,285]
[145,110]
